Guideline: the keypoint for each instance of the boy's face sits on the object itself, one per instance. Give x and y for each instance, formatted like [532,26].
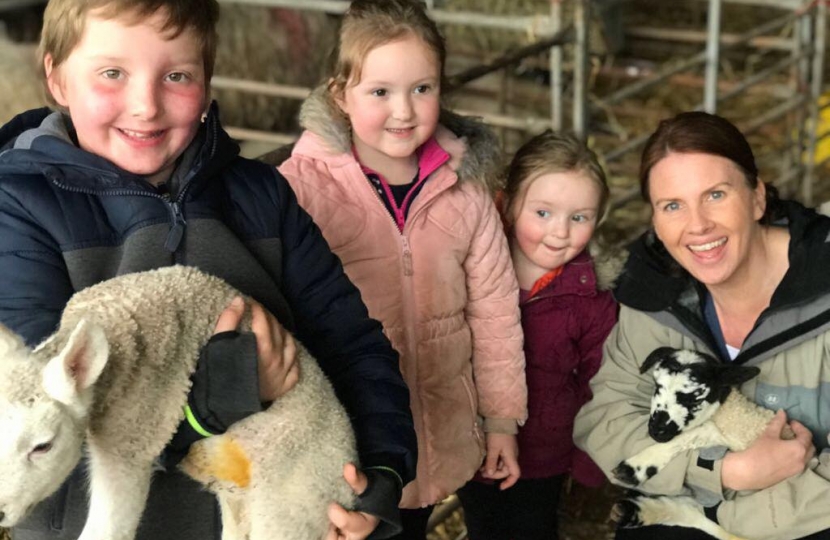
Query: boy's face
[135,97]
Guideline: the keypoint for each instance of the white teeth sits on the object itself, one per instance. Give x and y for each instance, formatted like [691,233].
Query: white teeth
[707,247]
[141,134]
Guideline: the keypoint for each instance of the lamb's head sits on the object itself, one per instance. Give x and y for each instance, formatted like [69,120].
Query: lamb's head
[689,386]
[45,396]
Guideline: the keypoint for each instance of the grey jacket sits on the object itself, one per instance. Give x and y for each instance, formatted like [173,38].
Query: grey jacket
[661,306]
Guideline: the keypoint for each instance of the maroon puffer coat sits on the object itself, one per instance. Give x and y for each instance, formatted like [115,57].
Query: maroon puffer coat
[565,325]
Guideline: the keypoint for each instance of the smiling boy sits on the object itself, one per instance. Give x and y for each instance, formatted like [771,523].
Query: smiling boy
[135,172]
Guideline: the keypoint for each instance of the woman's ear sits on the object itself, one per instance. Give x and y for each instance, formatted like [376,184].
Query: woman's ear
[760,200]
[53,80]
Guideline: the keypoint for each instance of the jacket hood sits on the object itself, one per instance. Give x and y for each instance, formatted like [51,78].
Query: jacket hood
[608,264]
[652,281]
[474,149]
[41,142]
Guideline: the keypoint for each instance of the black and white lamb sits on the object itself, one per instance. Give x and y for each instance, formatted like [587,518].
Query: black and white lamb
[115,376]
[696,404]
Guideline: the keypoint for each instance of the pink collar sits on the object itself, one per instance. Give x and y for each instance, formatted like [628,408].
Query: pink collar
[430,157]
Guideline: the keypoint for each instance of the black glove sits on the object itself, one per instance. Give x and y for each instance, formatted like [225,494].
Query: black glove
[380,499]
[224,389]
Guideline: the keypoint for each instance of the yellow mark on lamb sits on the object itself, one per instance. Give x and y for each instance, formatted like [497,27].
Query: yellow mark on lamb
[221,459]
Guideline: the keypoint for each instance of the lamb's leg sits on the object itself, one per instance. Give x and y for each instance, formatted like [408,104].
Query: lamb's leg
[235,517]
[641,510]
[118,494]
[639,468]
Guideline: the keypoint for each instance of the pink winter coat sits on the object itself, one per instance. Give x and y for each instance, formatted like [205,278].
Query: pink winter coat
[444,289]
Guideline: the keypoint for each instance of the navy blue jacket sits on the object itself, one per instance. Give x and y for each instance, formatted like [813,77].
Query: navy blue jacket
[69,219]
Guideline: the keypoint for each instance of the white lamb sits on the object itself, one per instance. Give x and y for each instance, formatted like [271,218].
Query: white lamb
[696,404]
[116,376]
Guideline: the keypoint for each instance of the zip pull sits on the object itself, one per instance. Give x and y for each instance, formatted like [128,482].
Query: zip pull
[407,257]
[176,233]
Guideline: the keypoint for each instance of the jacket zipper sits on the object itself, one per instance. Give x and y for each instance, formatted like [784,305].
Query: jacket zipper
[407,251]
[178,223]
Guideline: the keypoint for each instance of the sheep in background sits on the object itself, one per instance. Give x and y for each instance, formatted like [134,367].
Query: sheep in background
[696,404]
[116,376]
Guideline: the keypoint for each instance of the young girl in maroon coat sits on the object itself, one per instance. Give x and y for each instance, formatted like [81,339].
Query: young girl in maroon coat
[555,196]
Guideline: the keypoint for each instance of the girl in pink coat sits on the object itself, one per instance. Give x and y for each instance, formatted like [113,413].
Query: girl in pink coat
[555,196]
[404,199]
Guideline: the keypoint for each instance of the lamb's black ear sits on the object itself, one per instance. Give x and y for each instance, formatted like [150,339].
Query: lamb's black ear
[733,375]
[657,355]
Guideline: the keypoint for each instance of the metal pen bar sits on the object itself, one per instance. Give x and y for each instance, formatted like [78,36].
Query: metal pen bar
[773,115]
[761,76]
[620,151]
[819,34]
[475,72]
[658,77]
[536,25]
[556,84]
[710,86]
[582,14]
[261,88]
[278,139]
[696,36]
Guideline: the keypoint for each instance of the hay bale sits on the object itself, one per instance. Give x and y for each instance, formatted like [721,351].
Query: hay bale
[20,84]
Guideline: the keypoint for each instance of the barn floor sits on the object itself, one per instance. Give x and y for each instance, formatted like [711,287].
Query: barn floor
[583,516]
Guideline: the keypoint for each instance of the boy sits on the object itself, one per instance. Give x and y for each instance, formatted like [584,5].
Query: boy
[135,173]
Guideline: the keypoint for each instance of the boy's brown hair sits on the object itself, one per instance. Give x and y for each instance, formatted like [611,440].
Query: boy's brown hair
[368,24]
[63,23]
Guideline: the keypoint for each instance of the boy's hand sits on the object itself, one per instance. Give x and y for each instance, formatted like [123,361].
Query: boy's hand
[502,459]
[346,525]
[276,348]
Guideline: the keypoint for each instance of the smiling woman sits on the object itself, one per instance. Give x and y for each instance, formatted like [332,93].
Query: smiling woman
[731,270]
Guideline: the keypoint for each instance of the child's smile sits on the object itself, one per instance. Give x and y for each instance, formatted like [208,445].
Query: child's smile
[138,107]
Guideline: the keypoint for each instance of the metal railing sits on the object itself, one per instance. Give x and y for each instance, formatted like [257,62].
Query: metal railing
[798,33]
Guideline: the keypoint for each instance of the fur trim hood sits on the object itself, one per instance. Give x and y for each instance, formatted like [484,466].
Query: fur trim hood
[474,148]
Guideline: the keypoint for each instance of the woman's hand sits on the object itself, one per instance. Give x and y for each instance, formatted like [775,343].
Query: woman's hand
[502,459]
[346,525]
[276,348]
[770,459]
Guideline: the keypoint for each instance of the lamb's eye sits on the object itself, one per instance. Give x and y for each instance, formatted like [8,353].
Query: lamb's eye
[41,449]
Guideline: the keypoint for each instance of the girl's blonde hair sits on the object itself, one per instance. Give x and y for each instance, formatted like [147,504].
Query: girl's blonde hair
[368,24]
[549,153]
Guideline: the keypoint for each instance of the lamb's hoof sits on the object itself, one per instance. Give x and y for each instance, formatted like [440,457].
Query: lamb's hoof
[626,513]
[626,474]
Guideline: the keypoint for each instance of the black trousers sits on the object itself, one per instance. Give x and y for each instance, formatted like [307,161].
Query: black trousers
[659,532]
[526,511]
[414,522]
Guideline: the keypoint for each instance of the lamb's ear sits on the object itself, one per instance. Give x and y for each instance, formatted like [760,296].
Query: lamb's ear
[657,355]
[732,375]
[77,367]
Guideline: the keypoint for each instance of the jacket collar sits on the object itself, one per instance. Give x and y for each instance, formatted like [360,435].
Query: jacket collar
[653,281]
[473,148]
[41,142]
[577,277]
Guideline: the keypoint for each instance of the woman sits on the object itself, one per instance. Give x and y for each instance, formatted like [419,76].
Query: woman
[729,269]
